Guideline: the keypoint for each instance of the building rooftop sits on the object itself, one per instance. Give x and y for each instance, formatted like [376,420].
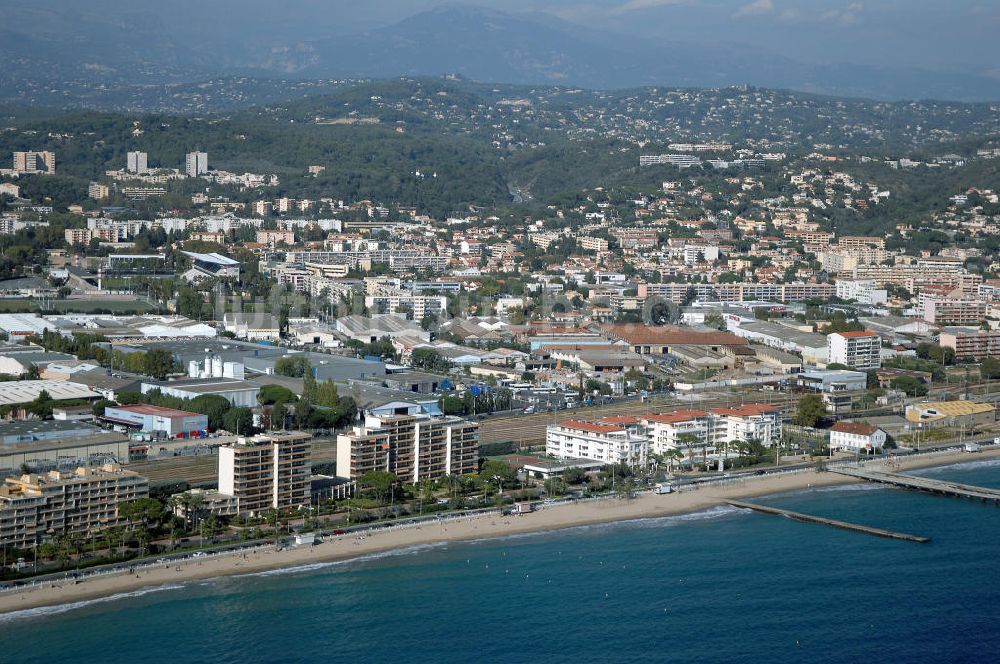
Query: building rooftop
[214,258]
[591,427]
[747,410]
[676,416]
[146,409]
[672,335]
[856,428]
[859,334]
[23,391]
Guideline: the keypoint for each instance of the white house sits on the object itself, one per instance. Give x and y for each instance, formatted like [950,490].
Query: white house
[856,436]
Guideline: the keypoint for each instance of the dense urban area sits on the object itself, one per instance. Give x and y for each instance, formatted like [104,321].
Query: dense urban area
[226,323]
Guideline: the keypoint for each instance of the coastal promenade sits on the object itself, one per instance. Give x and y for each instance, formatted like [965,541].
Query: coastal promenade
[144,577]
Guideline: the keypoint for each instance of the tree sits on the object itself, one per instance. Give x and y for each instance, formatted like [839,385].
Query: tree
[98,408]
[292,366]
[157,363]
[555,486]
[498,472]
[239,421]
[990,368]
[270,394]
[913,387]
[575,475]
[41,407]
[212,405]
[810,411]
[715,320]
[380,483]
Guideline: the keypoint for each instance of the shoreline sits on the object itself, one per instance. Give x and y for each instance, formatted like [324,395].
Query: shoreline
[152,576]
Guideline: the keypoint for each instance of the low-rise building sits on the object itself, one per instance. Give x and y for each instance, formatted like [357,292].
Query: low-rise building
[856,436]
[951,414]
[252,327]
[155,419]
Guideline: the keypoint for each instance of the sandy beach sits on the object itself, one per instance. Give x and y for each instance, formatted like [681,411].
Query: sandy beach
[353,545]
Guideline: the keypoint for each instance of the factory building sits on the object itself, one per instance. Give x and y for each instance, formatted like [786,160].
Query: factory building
[154,419]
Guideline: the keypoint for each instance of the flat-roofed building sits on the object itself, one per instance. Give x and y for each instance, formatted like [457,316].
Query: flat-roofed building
[34,508]
[240,393]
[948,311]
[155,419]
[970,343]
[266,472]
[412,447]
[856,349]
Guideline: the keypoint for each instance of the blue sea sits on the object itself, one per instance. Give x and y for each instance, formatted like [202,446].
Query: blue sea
[720,586]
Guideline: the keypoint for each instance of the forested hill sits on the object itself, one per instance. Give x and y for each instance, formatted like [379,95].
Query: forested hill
[481,145]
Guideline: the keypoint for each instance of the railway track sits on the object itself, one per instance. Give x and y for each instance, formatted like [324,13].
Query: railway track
[204,469]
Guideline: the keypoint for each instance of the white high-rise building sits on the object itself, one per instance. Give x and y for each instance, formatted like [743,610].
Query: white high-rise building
[196,163]
[137,162]
[858,350]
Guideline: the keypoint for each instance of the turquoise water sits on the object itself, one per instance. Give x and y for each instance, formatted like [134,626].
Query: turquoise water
[721,586]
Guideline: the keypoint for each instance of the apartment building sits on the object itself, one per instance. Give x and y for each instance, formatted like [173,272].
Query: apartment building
[858,350]
[195,164]
[272,238]
[598,244]
[412,447]
[98,191]
[861,291]
[949,311]
[610,442]
[635,238]
[861,242]
[26,163]
[678,160]
[136,162]
[34,507]
[971,343]
[266,472]
[677,430]
[754,421]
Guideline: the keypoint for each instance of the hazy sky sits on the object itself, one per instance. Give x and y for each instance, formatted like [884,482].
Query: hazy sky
[924,33]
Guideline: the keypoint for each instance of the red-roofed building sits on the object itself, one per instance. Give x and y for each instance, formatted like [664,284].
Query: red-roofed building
[856,436]
[748,422]
[677,430]
[620,442]
[154,419]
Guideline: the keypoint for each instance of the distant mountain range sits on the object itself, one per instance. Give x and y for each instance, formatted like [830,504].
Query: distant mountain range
[46,49]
